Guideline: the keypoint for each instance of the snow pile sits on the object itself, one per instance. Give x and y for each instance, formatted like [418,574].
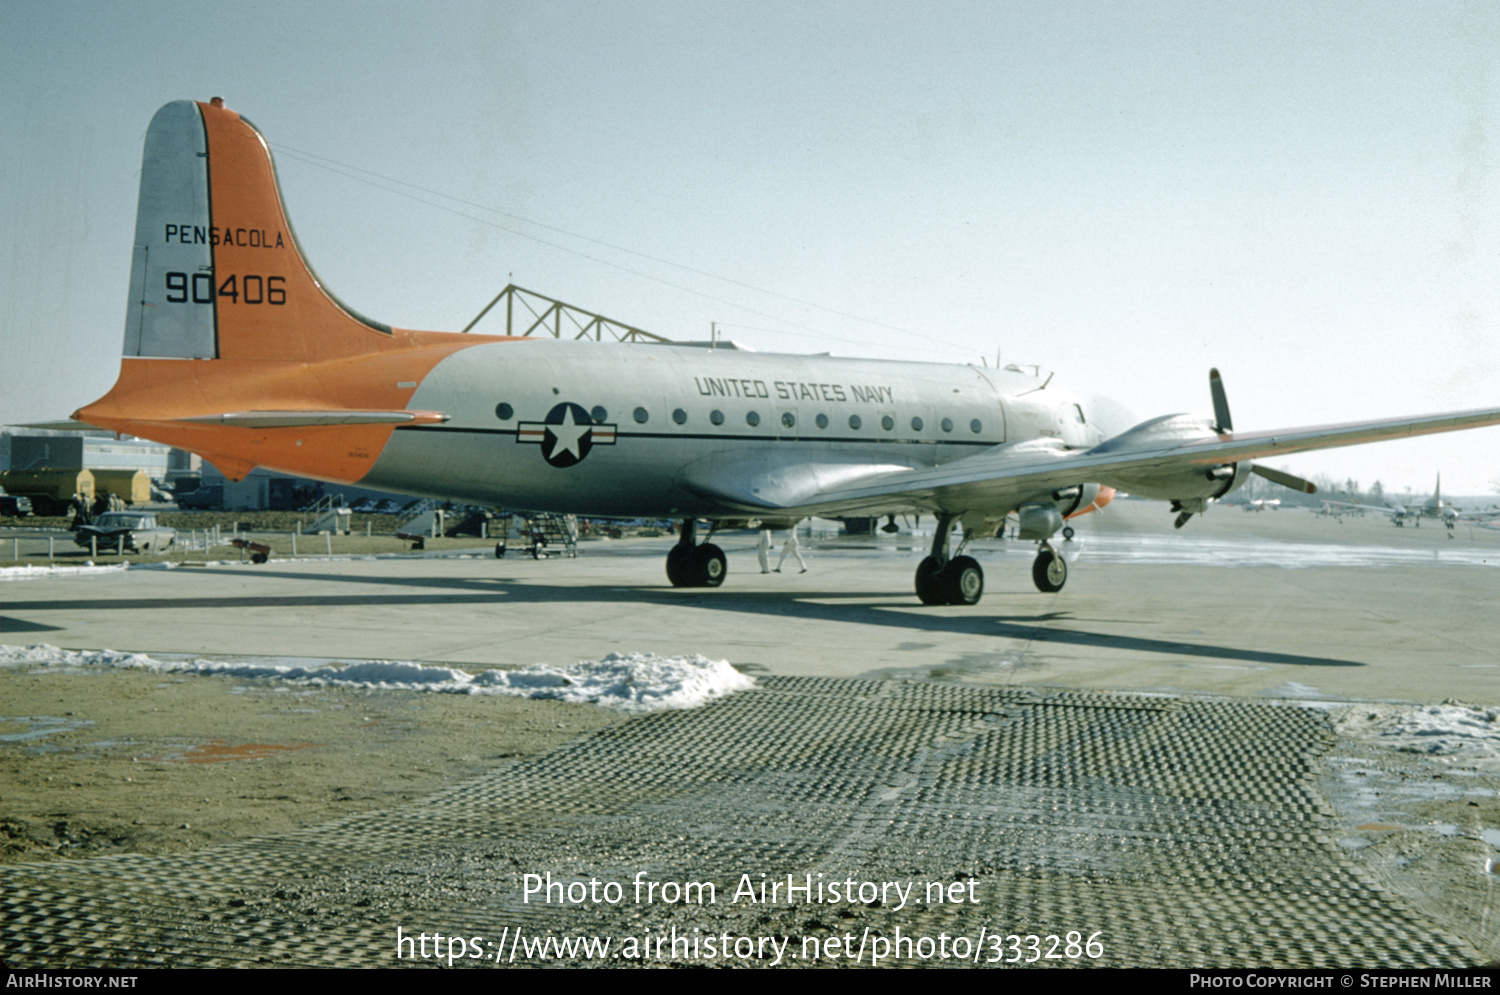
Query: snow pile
[634,682]
[631,682]
[43,655]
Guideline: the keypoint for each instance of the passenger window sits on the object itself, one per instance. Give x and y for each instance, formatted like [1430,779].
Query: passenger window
[822,421]
[976,426]
[788,419]
[716,416]
[947,424]
[600,415]
[887,422]
[679,416]
[752,418]
[854,421]
[642,416]
[916,424]
[504,411]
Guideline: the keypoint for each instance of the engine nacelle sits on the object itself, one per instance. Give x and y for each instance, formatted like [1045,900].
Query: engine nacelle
[1186,485]
[1042,516]
[1039,520]
[1177,484]
[1072,500]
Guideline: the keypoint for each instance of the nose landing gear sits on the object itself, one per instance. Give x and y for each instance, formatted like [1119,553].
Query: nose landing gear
[1049,571]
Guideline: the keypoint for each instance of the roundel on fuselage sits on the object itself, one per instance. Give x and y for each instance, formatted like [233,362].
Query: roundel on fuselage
[567,434]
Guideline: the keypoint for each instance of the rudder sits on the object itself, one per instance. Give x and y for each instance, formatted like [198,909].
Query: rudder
[172,250]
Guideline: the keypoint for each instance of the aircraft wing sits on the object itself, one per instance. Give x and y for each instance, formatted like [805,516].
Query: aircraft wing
[1476,515]
[1149,459]
[1374,509]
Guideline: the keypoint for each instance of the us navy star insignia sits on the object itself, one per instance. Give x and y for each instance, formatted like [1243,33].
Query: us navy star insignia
[567,434]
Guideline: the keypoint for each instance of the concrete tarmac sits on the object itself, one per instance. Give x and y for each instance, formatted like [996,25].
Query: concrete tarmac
[1281,604]
[1212,821]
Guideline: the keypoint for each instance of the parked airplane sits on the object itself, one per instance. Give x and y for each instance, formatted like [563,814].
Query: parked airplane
[235,350]
[1433,507]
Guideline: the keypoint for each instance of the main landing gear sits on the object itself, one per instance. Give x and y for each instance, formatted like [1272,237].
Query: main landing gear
[959,580]
[945,581]
[690,565]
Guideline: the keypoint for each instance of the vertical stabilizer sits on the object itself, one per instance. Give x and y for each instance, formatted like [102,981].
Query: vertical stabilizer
[216,271]
[233,347]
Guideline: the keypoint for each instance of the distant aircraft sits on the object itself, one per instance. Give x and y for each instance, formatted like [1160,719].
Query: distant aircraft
[236,351]
[1433,507]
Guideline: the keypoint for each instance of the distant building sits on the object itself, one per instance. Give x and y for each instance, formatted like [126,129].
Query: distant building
[36,449]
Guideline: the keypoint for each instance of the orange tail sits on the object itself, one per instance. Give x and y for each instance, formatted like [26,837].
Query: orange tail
[233,347]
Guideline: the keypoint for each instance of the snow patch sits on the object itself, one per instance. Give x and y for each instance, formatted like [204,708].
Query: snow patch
[631,682]
[29,572]
[1469,734]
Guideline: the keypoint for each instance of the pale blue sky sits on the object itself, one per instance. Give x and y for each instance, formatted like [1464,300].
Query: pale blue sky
[1304,195]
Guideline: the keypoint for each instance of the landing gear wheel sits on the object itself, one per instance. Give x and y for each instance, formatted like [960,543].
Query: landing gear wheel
[962,581]
[679,566]
[1050,571]
[709,566]
[1068,533]
[929,583]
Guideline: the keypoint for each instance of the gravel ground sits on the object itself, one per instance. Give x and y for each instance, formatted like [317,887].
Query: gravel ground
[1191,833]
[95,764]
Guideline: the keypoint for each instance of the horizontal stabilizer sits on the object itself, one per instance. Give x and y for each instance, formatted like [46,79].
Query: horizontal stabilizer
[300,419]
[69,425]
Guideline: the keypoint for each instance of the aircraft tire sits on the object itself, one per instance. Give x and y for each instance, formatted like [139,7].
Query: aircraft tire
[929,582]
[679,566]
[1049,572]
[709,566]
[1068,533]
[962,581]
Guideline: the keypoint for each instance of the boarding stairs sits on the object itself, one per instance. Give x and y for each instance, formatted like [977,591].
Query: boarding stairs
[541,535]
[332,514]
[427,519]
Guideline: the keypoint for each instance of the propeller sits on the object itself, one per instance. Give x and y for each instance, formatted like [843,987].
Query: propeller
[1224,425]
[1286,479]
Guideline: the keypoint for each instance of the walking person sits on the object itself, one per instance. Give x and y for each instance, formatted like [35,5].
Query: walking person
[790,548]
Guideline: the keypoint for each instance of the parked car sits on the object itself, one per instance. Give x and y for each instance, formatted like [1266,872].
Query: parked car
[126,532]
[17,505]
[207,496]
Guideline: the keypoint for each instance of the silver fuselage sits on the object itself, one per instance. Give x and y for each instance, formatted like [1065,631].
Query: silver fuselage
[696,431]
